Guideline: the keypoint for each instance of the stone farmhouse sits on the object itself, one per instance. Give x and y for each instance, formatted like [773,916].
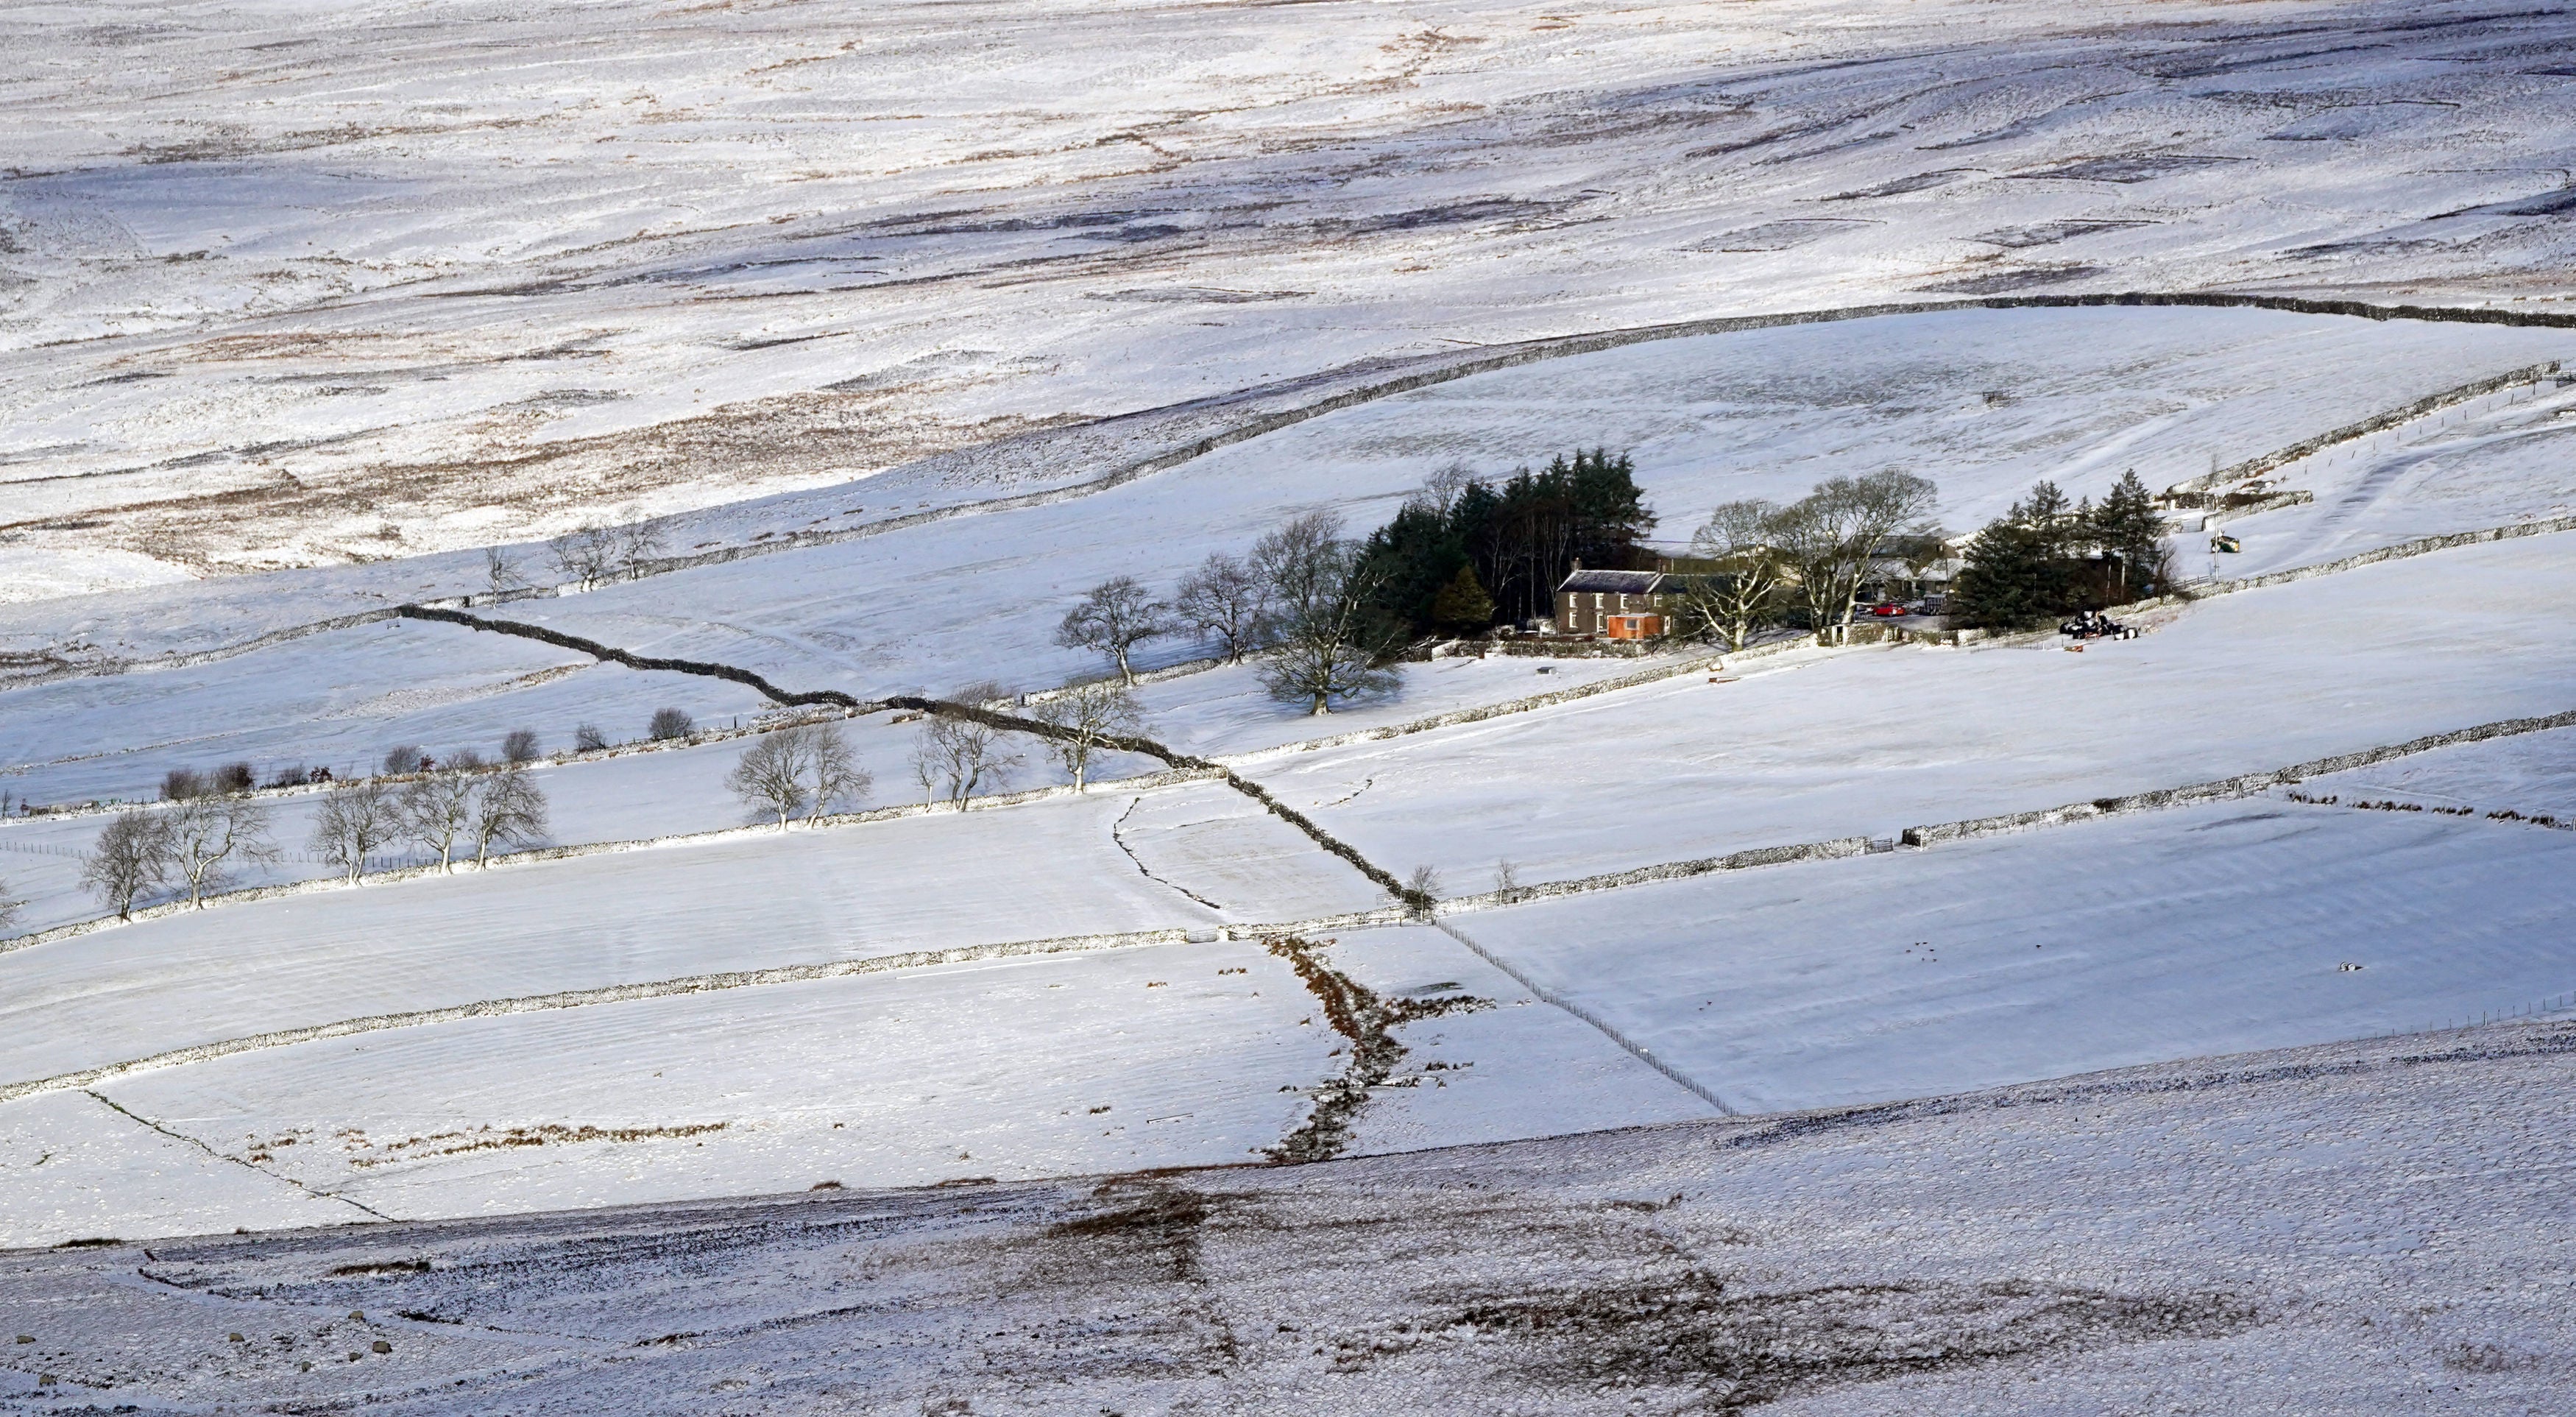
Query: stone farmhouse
[1617,605]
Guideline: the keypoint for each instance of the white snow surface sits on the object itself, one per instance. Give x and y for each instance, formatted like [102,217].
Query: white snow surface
[326,299]
[1871,741]
[2169,935]
[745,902]
[303,303]
[2082,396]
[1116,1061]
[2358,1229]
[2533,775]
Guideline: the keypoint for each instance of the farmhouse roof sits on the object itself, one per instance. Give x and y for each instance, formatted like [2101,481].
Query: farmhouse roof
[1618,582]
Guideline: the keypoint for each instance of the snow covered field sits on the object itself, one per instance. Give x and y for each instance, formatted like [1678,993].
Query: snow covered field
[2163,936]
[305,305]
[2358,1229]
[2499,461]
[2081,395]
[639,795]
[1182,1055]
[1770,989]
[1869,742]
[353,286]
[2535,776]
[339,699]
[746,902]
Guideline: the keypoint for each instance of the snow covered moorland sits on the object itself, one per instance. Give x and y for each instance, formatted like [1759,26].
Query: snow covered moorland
[1941,1021]
[291,283]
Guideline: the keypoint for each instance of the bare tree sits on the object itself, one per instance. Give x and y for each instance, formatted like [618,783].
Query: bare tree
[1744,593]
[500,573]
[1422,888]
[183,782]
[586,556]
[1831,537]
[207,834]
[769,777]
[832,771]
[1113,618]
[509,811]
[130,857]
[1225,598]
[1325,648]
[437,808]
[1318,662]
[235,777]
[1086,718]
[957,753]
[586,738]
[1303,564]
[519,745]
[402,760]
[1440,491]
[925,769]
[637,542]
[10,905]
[354,822]
[805,767]
[669,723]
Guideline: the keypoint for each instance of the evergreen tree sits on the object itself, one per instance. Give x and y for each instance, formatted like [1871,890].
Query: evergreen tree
[2128,528]
[1406,563]
[2015,577]
[1610,513]
[1462,605]
[1513,544]
[1524,537]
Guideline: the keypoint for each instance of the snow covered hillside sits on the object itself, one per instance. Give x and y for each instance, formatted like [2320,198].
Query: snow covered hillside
[2363,1228]
[291,283]
[366,1050]
[990,1083]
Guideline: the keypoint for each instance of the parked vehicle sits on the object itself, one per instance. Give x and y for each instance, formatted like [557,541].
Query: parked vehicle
[1891,608]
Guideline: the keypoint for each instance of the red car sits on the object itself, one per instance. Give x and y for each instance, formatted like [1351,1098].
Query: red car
[1891,608]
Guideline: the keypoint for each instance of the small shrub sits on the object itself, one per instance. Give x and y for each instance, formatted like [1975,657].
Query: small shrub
[179,784]
[519,745]
[402,760]
[671,723]
[291,775]
[588,739]
[235,777]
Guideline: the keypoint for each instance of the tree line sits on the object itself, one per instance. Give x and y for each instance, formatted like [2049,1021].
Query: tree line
[1301,603]
[1464,554]
[209,827]
[2045,558]
[1324,613]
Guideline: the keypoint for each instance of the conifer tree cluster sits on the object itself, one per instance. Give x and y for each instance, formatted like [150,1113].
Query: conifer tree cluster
[1467,554]
[2046,558]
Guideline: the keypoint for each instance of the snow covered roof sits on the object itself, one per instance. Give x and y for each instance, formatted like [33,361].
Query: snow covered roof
[1622,582]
